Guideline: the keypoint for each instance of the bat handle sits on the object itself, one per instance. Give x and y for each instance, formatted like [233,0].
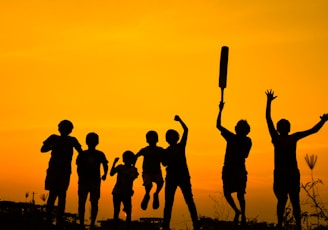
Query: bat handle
[222,90]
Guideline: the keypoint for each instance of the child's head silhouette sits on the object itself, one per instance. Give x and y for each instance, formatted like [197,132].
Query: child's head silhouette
[172,136]
[92,139]
[242,128]
[152,137]
[128,158]
[65,127]
[283,127]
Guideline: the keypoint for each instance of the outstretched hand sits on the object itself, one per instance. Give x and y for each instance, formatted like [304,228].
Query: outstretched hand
[324,117]
[270,95]
[116,160]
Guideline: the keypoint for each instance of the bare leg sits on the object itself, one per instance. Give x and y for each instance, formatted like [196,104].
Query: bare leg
[232,204]
[146,198]
[156,199]
[242,202]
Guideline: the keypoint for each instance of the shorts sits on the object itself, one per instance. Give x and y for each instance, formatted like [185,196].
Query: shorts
[149,178]
[286,182]
[234,180]
[57,179]
[93,189]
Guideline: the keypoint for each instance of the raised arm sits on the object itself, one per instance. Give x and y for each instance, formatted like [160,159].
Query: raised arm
[185,129]
[112,170]
[315,128]
[218,120]
[270,98]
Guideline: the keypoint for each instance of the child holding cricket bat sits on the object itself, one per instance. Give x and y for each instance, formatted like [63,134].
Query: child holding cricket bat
[286,173]
[234,174]
[177,175]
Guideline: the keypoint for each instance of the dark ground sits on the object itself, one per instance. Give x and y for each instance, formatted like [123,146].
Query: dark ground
[27,216]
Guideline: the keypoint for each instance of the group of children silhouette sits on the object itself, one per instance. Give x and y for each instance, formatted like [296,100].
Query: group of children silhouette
[234,174]
[89,164]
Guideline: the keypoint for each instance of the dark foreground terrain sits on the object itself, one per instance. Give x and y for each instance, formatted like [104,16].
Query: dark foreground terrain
[27,216]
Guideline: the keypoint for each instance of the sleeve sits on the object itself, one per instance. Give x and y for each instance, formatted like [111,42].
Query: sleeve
[140,153]
[49,141]
[226,134]
[76,143]
[103,158]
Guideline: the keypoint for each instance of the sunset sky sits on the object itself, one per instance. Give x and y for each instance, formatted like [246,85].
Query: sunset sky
[121,68]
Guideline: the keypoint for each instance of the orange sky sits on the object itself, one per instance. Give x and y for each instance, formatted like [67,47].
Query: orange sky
[121,68]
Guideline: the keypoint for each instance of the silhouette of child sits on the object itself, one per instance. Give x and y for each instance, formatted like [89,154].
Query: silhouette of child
[151,167]
[123,189]
[286,172]
[177,174]
[88,169]
[234,174]
[59,169]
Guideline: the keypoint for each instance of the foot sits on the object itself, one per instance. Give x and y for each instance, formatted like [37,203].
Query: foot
[156,201]
[145,201]
[243,220]
[236,218]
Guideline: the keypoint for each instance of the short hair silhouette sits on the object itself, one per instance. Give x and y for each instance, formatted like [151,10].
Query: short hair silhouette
[283,126]
[172,136]
[92,139]
[65,127]
[152,137]
[128,157]
[242,127]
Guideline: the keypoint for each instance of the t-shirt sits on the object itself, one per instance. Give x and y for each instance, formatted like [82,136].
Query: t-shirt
[88,165]
[153,156]
[62,151]
[285,151]
[125,177]
[175,159]
[237,150]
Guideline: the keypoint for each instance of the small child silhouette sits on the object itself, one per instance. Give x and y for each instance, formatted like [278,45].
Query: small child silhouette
[151,167]
[234,174]
[286,172]
[88,169]
[123,189]
[59,169]
[177,174]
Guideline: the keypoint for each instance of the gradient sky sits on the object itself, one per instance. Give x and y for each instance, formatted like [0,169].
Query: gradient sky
[121,68]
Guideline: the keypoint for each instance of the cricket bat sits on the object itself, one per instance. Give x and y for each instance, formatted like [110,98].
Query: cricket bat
[223,69]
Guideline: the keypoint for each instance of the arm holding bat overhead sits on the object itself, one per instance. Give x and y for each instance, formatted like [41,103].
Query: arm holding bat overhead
[218,120]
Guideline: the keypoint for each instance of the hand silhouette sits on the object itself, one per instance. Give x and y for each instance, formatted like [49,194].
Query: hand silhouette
[324,117]
[177,118]
[270,95]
